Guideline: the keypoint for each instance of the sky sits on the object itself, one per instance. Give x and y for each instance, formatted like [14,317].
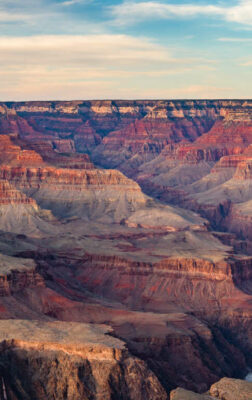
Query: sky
[125,49]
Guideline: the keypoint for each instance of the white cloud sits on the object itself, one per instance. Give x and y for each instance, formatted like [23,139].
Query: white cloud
[130,11]
[89,50]
[37,66]
[242,13]
[84,50]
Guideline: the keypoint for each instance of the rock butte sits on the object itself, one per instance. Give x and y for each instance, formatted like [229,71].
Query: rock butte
[126,250]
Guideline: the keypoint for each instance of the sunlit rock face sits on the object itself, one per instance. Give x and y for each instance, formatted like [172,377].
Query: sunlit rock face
[135,215]
[227,389]
[70,360]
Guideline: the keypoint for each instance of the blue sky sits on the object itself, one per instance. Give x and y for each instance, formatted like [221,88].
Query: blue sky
[85,49]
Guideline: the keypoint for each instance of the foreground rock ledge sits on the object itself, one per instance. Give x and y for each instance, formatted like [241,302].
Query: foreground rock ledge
[57,360]
[225,389]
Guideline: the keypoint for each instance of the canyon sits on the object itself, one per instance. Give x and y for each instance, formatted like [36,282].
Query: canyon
[126,250]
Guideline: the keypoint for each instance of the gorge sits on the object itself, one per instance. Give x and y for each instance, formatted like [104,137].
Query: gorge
[126,249]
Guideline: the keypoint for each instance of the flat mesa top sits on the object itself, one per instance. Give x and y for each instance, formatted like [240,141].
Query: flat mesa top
[8,264]
[59,333]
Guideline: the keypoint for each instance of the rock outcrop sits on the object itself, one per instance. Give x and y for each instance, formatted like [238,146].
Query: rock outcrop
[182,394]
[17,274]
[10,153]
[232,389]
[10,195]
[73,361]
[226,137]
[21,214]
[225,389]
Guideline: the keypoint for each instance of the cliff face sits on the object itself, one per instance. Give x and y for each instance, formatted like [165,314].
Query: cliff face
[154,281]
[69,192]
[18,274]
[156,329]
[87,122]
[74,361]
[58,152]
[13,154]
[20,213]
[10,195]
[226,137]
[173,288]
[147,136]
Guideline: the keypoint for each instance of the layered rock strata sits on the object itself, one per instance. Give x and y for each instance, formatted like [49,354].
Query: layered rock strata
[70,360]
[16,274]
[155,273]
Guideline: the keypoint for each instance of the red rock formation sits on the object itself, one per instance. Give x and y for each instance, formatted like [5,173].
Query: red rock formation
[86,122]
[91,193]
[77,361]
[225,138]
[154,284]
[64,145]
[10,195]
[169,340]
[33,177]
[148,136]
[244,170]
[51,155]
[239,220]
[17,275]
[17,281]
[180,299]
[230,162]
[13,154]
[86,138]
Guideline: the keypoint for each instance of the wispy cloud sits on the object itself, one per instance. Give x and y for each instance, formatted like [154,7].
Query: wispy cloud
[27,12]
[42,16]
[131,11]
[12,17]
[235,40]
[83,50]
[72,2]
[64,62]
[247,64]
[187,92]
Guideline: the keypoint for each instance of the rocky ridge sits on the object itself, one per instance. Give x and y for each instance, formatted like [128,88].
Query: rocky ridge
[17,274]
